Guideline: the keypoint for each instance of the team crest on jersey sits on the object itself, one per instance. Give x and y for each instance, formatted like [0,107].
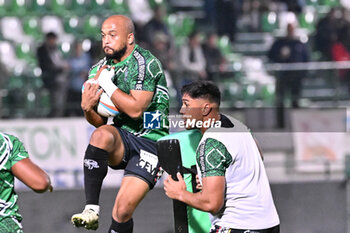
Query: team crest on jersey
[90,164]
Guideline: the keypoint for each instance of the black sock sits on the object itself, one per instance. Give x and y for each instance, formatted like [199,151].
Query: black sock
[125,227]
[95,170]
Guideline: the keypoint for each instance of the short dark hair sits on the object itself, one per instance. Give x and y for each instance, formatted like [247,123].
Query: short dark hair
[202,89]
[193,34]
[51,35]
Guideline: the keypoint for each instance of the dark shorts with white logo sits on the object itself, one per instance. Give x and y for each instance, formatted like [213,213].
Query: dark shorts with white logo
[140,158]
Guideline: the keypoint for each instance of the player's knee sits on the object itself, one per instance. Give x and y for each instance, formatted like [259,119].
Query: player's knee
[101,138]
[124,211]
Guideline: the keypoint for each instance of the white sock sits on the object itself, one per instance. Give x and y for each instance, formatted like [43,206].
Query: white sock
[95,208]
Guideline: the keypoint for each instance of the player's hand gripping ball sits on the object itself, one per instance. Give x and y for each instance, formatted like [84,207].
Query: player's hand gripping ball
[105,106]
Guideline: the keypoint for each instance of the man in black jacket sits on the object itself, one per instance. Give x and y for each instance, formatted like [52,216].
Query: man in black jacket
[288,49]
[54,73]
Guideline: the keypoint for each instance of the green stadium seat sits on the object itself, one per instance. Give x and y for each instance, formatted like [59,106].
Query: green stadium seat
[250,94]
[231,92]
[119,7]
[225,45]
[4,5]
[65,48]
[312,2]
[31,27]
[15,82]
[59,7]
[9,59]
[15,98]
[307,20]
[12,30]
[180,27]
[18,7]
[25,52]
[331,3]
[73,25]
[97,7]
[40,7]
[171,23]
[78,7]
[92,27]
[43,104]
[188,25]
[173,29]
[268,95]
[269,21]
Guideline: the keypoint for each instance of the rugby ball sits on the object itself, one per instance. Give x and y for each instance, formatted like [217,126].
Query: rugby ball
[105,106]
[91,81]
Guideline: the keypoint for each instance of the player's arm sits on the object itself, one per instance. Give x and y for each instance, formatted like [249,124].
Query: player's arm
[31,175]
[210,199]
[132,104]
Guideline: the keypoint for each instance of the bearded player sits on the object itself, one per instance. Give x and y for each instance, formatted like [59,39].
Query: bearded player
[134,80]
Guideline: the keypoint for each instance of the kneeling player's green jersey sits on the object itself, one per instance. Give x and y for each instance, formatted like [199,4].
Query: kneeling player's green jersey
[11,151]
[141,71]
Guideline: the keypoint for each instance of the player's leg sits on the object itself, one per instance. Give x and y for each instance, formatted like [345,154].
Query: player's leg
[130,194]
[105,146]
[141,174]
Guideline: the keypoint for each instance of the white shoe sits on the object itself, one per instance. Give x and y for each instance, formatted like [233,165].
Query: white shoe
[88,219]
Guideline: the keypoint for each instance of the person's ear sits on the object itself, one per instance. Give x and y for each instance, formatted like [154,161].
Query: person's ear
[206,109]
[131,38]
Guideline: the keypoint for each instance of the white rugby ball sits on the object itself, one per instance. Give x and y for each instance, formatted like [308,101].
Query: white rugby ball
[91,81]
[105,106]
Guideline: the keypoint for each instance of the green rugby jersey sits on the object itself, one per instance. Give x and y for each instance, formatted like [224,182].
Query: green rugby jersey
[11,151]
[141,70]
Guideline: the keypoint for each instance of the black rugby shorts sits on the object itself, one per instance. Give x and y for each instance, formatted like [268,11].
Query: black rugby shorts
[140,158]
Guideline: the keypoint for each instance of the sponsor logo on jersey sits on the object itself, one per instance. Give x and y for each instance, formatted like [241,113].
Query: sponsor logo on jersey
[148,161]
[90,164]
[201,155]
[151,120]
[141,62]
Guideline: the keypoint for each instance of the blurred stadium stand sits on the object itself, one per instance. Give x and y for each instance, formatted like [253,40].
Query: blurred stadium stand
[24,23]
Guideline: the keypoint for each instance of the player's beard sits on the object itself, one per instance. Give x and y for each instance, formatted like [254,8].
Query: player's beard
[117,54]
